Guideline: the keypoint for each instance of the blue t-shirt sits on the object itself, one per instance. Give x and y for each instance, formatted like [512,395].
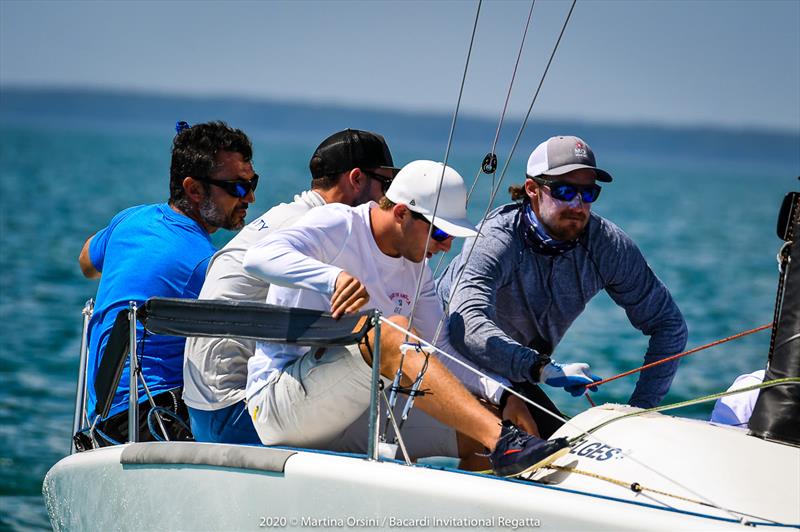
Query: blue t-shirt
[145,251]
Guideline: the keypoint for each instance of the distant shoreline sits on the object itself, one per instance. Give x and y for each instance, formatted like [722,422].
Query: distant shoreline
[136,111]
[14,90]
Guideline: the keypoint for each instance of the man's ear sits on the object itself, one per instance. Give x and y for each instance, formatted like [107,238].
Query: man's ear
[194,189]
[531,188]
[400,211]
[357,179]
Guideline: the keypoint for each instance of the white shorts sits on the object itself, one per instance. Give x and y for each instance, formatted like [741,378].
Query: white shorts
[321,401]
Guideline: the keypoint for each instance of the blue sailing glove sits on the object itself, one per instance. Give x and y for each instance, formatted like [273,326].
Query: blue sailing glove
[572,377]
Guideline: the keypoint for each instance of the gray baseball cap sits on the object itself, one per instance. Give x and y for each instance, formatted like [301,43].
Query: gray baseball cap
[559,155]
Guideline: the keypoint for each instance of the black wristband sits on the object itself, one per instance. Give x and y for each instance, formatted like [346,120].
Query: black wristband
[536,368]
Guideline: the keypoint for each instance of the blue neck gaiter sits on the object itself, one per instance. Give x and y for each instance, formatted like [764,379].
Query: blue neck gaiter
[539,240]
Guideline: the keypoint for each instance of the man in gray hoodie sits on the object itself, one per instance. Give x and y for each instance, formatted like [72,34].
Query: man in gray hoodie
[535,267]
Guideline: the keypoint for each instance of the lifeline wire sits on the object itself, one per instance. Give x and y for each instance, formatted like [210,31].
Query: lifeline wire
[566,422]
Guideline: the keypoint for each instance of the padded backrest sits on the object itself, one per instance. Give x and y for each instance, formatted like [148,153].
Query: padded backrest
[112,363]
[259,321]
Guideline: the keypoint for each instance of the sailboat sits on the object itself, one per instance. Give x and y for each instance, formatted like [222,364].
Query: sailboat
[627,469]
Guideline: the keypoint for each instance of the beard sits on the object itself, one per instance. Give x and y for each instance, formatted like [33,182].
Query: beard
[213,215]
[560,221]
[566,227]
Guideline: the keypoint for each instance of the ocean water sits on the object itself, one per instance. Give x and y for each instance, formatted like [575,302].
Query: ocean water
[705,224]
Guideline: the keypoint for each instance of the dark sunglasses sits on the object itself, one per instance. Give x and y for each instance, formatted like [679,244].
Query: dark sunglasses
[437,234]
[567,192]
[383,180]
[238,189]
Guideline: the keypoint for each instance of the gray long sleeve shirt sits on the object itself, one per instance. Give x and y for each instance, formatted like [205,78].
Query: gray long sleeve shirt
[513,306]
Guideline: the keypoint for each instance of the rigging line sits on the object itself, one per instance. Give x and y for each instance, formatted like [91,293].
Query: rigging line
[397,436]
[496,189]
[639,489]
[679,355]
[690,402]
[569,423]
[508,97]
[513,77]
[633,486]
[422,264]
[500,122]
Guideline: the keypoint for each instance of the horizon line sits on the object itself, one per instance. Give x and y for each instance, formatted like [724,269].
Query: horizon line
[334,105]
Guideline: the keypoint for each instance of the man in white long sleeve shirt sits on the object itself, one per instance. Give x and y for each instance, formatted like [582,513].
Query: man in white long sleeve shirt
[343,259]
[349,167]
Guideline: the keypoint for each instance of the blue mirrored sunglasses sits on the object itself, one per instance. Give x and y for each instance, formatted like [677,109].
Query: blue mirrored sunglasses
[567,192]
[238,188]
[437,234]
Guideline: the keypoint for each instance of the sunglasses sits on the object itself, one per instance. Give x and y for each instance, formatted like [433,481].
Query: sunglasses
[567,192]
[238,188]
[437,234]
[383,180]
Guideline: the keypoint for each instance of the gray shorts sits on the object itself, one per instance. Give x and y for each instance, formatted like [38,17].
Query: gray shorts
[321,401]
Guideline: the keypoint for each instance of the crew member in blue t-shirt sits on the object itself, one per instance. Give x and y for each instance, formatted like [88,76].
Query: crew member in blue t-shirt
[163,250]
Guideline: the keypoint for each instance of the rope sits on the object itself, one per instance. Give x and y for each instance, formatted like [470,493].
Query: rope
[690,402]
[640,490]
[633,486]
[679,355]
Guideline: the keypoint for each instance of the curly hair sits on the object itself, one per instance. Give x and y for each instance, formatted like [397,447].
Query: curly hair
[194,153]
[517,193]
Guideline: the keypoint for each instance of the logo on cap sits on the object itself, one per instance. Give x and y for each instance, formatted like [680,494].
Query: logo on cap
[580,149]
[412,202]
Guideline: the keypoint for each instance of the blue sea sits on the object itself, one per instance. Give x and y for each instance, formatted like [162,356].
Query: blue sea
[701,204]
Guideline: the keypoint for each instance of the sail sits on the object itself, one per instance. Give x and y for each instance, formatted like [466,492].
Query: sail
[776,415]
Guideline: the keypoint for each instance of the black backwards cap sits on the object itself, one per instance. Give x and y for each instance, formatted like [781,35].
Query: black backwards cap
[348,149]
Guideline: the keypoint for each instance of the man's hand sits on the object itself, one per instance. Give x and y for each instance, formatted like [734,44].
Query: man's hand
[517,412]
[349,295]
[572,377]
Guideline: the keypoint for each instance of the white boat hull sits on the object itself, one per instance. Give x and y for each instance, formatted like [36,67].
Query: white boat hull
[244,489]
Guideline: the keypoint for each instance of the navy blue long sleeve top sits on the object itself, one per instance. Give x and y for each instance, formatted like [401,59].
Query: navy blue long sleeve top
[512,305]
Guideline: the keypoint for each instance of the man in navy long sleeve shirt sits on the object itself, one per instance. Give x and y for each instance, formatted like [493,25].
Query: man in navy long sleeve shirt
[537,264]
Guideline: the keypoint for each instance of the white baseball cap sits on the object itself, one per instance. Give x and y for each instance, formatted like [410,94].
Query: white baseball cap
[415,186]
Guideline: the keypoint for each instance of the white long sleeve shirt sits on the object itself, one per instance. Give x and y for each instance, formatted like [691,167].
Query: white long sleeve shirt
[215,369]
[302,263]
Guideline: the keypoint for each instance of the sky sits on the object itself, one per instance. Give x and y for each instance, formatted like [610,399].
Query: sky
[720,63]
